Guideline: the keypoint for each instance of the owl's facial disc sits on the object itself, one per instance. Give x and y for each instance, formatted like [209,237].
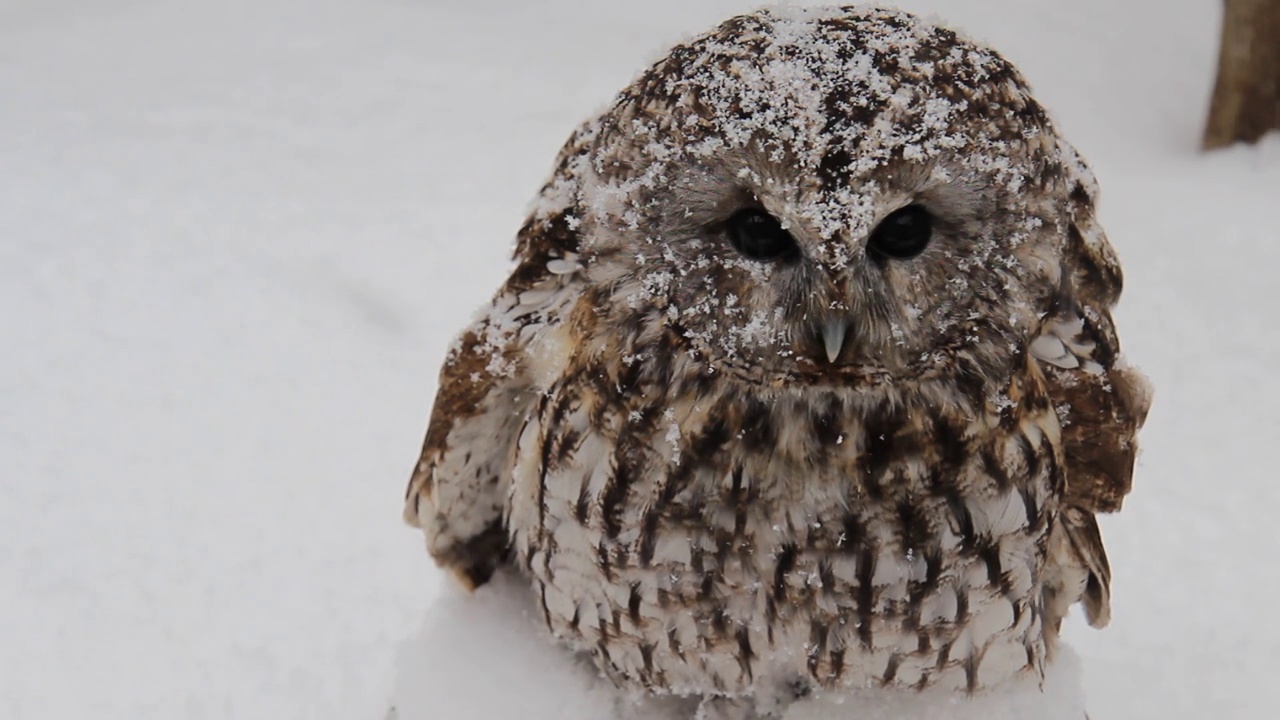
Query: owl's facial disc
[789,201]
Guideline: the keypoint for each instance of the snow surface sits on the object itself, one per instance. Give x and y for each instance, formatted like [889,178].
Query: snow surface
[236,238]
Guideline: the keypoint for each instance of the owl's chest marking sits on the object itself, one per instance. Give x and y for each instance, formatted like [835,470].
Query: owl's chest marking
[709,540]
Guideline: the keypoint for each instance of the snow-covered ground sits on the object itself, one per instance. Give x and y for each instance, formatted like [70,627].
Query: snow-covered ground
[236,236]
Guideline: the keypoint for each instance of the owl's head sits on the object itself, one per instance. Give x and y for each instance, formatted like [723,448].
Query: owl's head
[831,195]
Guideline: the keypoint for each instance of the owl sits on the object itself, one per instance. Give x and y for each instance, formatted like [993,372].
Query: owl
[805,378]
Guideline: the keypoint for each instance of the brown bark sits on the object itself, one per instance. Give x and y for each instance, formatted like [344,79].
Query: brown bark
[1246,97]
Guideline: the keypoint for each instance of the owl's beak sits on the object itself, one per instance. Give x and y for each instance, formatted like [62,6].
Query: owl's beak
[833,332]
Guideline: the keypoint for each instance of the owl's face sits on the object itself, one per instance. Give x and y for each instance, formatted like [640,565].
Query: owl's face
[829,195]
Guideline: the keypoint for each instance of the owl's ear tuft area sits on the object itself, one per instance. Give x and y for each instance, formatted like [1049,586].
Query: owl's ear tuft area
[551,230]
[1095,268]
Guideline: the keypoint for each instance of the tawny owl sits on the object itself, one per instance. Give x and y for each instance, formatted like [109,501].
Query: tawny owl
[805,378]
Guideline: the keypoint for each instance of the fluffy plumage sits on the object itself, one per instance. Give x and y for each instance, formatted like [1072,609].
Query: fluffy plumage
[704,497]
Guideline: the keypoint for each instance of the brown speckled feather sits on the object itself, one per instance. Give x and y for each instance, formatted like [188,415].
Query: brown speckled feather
[457,491]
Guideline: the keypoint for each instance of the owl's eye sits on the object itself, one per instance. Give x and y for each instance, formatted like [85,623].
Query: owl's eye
[904,234]
[759,236]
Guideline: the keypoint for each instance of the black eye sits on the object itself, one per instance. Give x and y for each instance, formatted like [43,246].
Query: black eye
[904,234]
[759,236]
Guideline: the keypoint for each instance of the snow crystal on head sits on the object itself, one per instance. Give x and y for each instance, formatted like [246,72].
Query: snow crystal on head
[837,93]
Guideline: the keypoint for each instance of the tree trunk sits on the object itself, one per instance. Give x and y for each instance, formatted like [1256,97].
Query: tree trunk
[1246,97]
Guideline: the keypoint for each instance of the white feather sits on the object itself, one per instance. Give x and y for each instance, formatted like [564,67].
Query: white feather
[1050,349]
[561,266]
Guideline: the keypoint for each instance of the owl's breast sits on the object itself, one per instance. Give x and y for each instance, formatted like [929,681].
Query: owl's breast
[700,544]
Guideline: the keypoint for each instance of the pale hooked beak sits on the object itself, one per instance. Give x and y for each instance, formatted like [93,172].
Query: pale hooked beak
[833,332]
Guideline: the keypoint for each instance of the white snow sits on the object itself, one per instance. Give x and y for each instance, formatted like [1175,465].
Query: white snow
[236,239]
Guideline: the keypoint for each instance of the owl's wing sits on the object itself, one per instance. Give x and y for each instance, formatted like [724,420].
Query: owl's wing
[458,490]
[1101,403]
